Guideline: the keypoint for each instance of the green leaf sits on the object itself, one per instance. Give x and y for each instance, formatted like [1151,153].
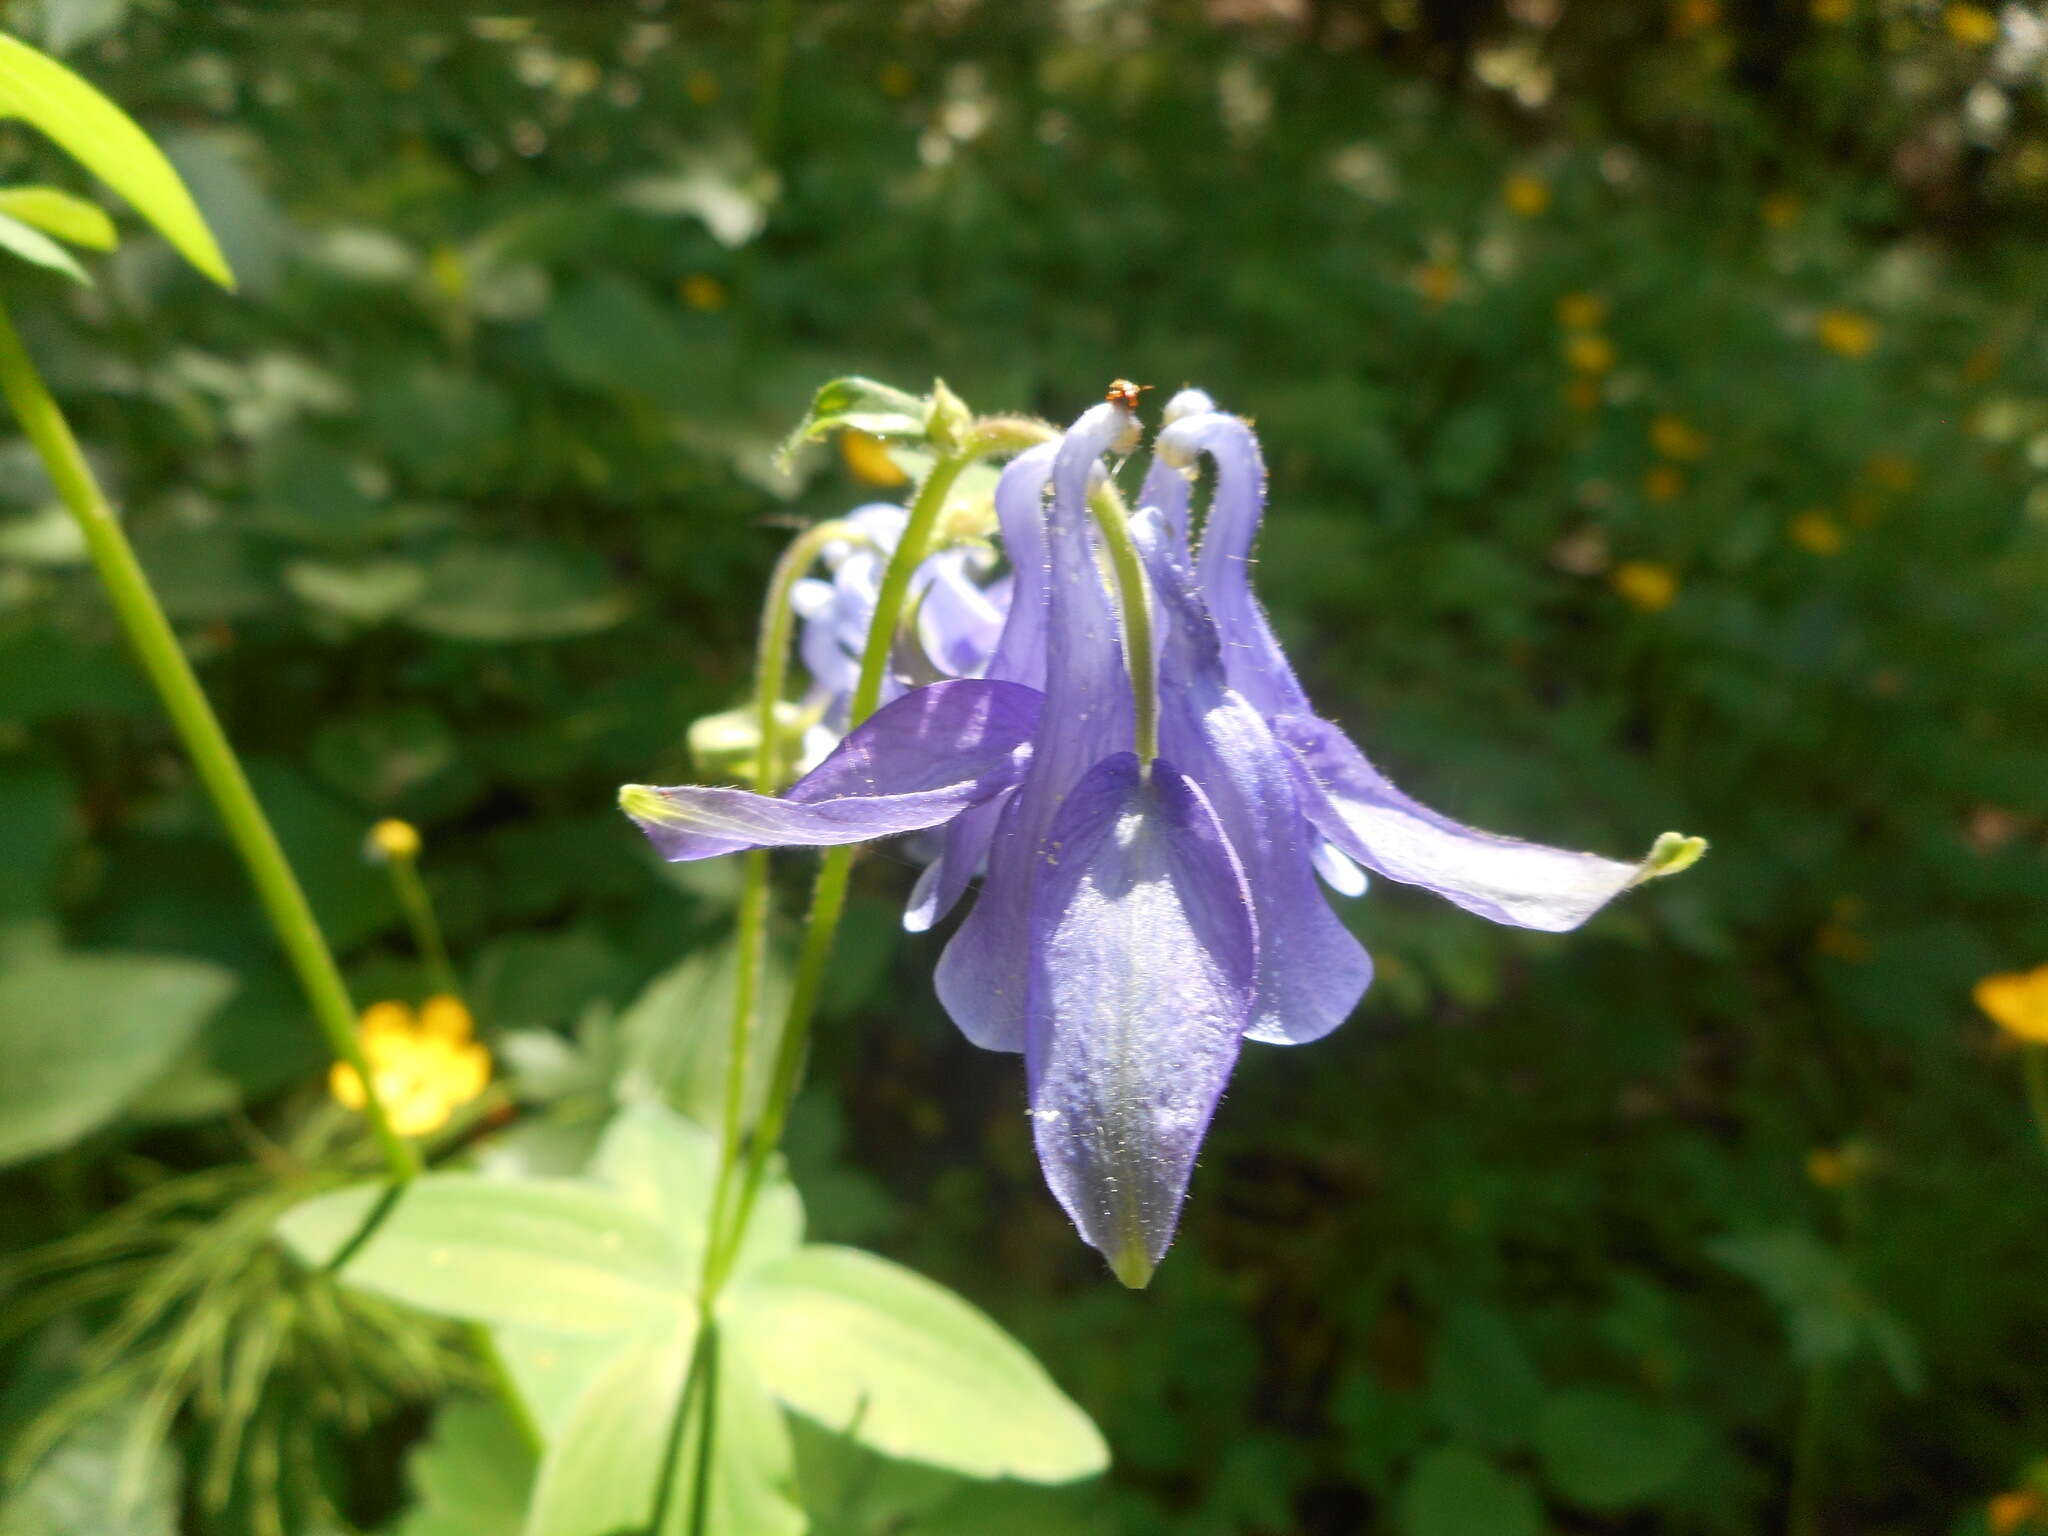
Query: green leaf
[907,1367]
[470,1476]
[60,214]
[666,1166]
[550,1370]
[1829,1316]
[1482,1382]
[558,1255]
[106,141]
[1456,1492]
[38,249]
[1607,1450]
[603,1471]
[500,592]
[82,1034]
[860,405]
[68,1493]
[368,592]
[675,1037]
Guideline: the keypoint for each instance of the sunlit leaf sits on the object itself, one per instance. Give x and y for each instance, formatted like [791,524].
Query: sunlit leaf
[61,215]
[81,1034]
[867,1347]
[470,1476]
[106,141]
[557,1255]
[38,249]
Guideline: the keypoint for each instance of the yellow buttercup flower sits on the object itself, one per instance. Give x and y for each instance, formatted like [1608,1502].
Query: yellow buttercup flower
[424,1064]
[1816,533]
[700,290]
[2016,1510]
[896,80]
[1846,333]
[1645,585]
[1833,12]
[1677,438]
[1589,354]
[1693,16]
[1438,281]
[2017,1002]
[701,86]
[1839,1167]
[1581,311]
[1781,210]
[394,839]
[1583,394]
[1528,196]
[1664,482]
[1974,26]
[867,458]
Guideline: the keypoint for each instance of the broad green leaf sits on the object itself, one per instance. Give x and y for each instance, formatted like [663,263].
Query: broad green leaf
[106,141]
[675,1037]
[61,215]
[872,1350]
[1609,1450]
[38,249]
[82,1034]
[667,1166]
[69,1493]
[550,1370]
[1456,1492]
[861,405]
[1482,1383]
[1828,1313]
[470,1476]
[604,1469]
[501,592]
[558,1255]
[368,592]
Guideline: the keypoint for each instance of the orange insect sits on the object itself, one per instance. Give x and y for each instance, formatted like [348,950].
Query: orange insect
[1124,393]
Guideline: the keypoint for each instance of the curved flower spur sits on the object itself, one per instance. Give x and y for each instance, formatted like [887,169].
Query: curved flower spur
[1147,795]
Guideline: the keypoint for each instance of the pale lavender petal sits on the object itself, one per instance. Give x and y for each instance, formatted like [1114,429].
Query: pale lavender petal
[983,974]
[958,621]
[919,762]
[1020,514]
[1525,884]
[1312,970]
[1145,954]
[1166,490]
[945,880]
[1254,662]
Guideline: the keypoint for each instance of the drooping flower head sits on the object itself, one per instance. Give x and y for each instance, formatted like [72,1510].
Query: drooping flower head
[1147,796]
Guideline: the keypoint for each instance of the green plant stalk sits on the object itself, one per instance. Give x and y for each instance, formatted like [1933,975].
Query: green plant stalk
[771,668]
[1802,1501]
[828,893]
[156,644]
[1134,605]
[2034,1073]
[418,907]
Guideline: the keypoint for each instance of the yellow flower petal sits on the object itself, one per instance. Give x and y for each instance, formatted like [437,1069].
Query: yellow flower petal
[867,458]
[1645,585]
[2017,1002]
[446,1018]
[395,839]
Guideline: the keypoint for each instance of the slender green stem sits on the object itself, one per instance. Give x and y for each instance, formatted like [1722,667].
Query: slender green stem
[156,644]
[828,894]
[426,928]
[771,667]
[2034,1073]
[1134,602]
[1802,1503]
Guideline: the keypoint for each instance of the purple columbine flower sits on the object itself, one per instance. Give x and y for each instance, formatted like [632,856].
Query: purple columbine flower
[1143,911]
[959,615]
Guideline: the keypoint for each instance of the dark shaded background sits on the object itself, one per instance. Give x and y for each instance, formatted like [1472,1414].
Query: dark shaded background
[464,507]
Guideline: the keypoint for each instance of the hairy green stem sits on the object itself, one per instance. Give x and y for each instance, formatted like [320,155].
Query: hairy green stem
[771,667]
[156,644]
[828,894]
[418,907]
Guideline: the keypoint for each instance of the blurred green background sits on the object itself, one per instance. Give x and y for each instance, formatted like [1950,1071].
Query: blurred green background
[1656,399]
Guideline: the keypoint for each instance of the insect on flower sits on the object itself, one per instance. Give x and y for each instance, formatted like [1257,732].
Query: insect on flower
[1124,394]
